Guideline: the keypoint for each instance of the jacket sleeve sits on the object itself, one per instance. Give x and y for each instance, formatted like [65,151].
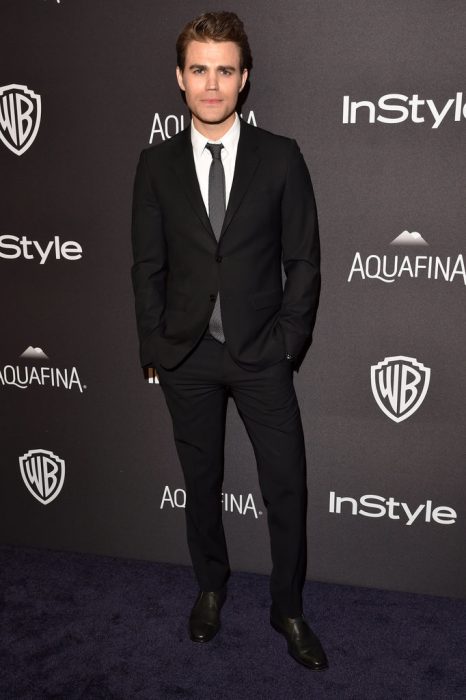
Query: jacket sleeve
[300,255]
[149,268]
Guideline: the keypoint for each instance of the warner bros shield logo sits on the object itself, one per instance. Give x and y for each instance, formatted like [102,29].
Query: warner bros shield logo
[43,473]
[399,385]
[20,113]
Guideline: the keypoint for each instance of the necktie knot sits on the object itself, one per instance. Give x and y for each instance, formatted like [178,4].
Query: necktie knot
[215,149]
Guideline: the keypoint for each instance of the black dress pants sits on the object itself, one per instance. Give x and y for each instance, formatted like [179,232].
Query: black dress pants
[196,393]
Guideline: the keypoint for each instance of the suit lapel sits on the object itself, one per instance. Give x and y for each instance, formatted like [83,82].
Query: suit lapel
[183,163]
[247,160]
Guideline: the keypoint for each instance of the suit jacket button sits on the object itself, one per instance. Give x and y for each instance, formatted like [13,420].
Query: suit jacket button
[219,258]
[213,297]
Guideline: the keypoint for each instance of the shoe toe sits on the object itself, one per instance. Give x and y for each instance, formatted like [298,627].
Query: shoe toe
[303,645]
[309,658]
[201,631]
[204,621]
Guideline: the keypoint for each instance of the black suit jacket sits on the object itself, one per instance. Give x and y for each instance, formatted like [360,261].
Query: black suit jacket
[179,267]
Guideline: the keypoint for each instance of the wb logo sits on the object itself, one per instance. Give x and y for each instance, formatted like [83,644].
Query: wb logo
[20,112]
[43,473]
[399,385]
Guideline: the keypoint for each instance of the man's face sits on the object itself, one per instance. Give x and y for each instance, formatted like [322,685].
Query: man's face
[212,80]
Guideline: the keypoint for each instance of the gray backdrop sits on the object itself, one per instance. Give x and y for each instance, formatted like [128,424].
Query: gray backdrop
[395,165]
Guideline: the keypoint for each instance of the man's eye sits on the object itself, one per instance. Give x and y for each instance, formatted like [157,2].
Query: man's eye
[198,70]
[225,71]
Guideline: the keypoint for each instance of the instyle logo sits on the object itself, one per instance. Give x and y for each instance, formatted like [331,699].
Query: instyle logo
[240,504]
[390,268]
[373,506]
[399,385]
[395,108]
[43,473]
[164,128]
[20,114]
[24,376]
[14,247]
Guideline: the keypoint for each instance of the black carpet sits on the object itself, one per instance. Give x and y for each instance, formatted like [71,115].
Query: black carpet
[79,626]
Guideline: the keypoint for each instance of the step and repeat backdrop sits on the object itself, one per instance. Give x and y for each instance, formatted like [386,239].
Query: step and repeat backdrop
[374,93]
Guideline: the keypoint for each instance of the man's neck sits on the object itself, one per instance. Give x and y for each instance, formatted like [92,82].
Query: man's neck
[214,132]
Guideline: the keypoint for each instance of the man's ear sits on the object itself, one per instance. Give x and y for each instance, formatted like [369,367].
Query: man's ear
[179,77]
[244,77]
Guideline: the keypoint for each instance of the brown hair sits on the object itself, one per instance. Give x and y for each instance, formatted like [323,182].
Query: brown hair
[215,26]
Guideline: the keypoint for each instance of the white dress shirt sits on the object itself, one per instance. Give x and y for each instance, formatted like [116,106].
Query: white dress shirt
[203,158]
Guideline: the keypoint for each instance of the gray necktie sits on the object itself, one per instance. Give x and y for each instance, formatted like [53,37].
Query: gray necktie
[217,206]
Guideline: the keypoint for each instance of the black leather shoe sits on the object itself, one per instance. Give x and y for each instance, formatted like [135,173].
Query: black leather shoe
[204,621]
[303,645]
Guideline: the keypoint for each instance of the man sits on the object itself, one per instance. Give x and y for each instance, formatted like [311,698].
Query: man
[216,210]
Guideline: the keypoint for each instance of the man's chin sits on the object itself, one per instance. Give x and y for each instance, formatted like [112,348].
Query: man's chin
[212,119]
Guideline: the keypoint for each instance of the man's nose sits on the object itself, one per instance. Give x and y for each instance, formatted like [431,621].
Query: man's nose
[212,81]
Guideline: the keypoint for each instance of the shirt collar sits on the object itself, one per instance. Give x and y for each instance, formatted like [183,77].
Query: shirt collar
[229,140]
